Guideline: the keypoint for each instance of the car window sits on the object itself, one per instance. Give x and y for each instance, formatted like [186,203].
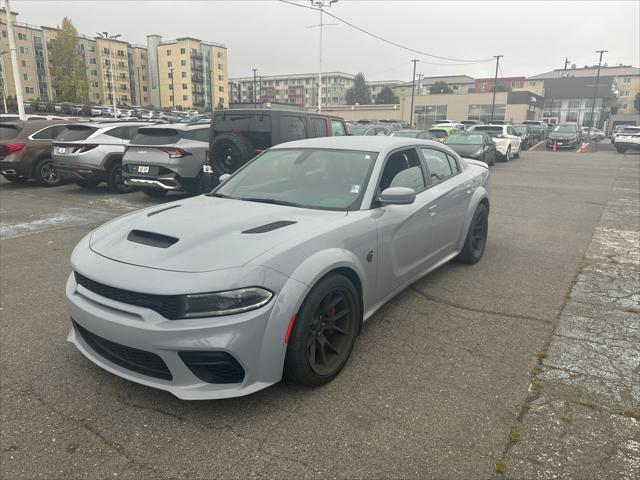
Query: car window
[402,169]
[511,131]
[75,133]
[8,131]
[293,128]
[453,163]
[200,135]
[319,127]
[438,165]
[48,133]
[118,132]
[337,128]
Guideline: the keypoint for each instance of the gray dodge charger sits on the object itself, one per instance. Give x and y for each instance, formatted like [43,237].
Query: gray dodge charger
[274,272]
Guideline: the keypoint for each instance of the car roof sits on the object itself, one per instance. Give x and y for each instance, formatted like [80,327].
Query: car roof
[108,123]
[30,126]
[380,143]
[178,126]
[245,111]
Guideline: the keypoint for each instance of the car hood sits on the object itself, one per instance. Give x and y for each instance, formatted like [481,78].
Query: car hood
[205,233]
[463,150]
[562,136]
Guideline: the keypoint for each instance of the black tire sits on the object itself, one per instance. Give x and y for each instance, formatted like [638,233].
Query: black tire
[476,239]
[87,183]
[154,192]
[493,160]
[507,157]
[230,151]
[621,149]
[15,178]
[44,174]
[333,296]
[517,154]
[115,179]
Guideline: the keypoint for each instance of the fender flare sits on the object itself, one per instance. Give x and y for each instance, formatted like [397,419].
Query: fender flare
[110,159]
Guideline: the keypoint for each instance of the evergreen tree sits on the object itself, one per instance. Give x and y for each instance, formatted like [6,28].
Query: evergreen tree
[386,96]
[359,93]
[68,70]
[440,87]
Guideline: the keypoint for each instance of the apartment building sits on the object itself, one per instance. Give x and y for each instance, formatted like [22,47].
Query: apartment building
[138,74]
[505,84]
[295,89]
[187,73]
[459,84]
[32,59]
[376,86]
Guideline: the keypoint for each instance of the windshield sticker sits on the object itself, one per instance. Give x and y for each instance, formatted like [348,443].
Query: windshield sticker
[355,188]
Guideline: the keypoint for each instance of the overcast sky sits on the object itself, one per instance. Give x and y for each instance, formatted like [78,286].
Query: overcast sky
[271,36]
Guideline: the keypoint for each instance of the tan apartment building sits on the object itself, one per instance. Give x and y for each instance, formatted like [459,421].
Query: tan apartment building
[138,75]
[188,73]
[459,84]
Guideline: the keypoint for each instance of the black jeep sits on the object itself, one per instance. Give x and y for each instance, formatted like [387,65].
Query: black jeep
[239,135]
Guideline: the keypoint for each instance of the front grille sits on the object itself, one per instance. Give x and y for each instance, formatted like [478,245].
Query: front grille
[130,358]
[166,305]
[213,367]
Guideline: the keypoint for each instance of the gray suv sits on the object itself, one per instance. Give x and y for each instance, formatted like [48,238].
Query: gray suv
[168,157]
[90,153]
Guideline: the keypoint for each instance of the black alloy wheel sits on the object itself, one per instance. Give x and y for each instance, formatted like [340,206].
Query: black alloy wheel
[45,175]
[324,332]
[476,240]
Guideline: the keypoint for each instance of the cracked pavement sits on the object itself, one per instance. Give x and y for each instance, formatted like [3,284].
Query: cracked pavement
[436,381]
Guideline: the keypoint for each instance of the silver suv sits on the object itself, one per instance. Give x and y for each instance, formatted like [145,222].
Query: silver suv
[90,153]
[168,157]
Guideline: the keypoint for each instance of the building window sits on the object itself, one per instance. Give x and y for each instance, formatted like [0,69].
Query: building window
[624,106]
[170,87]
[23,50]
[107,62]
[185,97]
[94,73]
[184,86]
[220,66]
[143,56]
[92,49]
[29,89]
[92,61]
[483,112]
[624,93]
[168,53]
[220,77]
[574,104]
[483,86]
[171,98]
[532,83]
[183,51]
[144,89]
[24,63]
[120,53]
[626,80]
[4,33]
[169,64]
[221,100]
[184,74]
[183,63]
[106,50]
[25,76]
[221,88]
[515,84]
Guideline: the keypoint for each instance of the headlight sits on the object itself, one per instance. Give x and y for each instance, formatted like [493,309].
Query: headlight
[229,302]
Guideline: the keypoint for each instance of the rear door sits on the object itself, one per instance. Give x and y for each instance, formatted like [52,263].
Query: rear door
[319,127]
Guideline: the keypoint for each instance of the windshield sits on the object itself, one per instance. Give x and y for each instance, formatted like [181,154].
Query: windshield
[312,178]
[406,133]
[565,129]
[359,130]
[438,133]
[457,139]
[493,131]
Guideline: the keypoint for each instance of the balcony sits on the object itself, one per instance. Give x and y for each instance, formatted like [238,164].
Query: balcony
[197,78]
[196,55]
[197,67]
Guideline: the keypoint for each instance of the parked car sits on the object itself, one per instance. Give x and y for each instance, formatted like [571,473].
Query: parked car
[161,158]
[460,127]
[565,135]
[539,130]
[90,153]
[470,123]
[592,133]
[508,143]
[474,145]
[525,134]
[441,132]
[628,139]
[238,135]
[421,134]
[10,117]
[25,151]
[370,130]
[617,129]
[221,294]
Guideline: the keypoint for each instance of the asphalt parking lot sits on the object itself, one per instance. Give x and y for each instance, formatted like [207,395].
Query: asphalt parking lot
[434,386]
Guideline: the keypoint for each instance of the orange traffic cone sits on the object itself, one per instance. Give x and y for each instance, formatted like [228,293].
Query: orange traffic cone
[583,148]
[554,146]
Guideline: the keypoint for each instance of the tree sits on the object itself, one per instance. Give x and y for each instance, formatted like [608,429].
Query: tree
[68,70]
[440,87]
[359,93]
[386,96]
[636,101]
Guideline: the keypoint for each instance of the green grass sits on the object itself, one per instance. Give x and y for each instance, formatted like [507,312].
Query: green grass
[501,466]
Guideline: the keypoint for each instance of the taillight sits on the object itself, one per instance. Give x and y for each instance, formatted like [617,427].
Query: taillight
[206,166]
[174,152]
[8,148]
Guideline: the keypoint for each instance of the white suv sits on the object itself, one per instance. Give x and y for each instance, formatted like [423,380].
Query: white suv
[627,139]
[508,142]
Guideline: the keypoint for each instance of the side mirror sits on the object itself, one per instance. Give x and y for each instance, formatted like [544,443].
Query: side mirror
[398,196]
[224,177]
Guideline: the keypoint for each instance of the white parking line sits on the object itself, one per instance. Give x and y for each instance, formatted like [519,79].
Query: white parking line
[537,145]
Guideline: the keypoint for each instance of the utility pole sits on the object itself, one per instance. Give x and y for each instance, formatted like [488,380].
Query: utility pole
[566,63]
[255,101]
[321,4]
[173,90]
[495,84]
[4,82]
[595,91]
[106,36]
[14,62]
[419,75]
[413,91]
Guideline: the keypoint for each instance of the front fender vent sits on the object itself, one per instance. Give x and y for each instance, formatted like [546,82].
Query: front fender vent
[270,227]
[151,239]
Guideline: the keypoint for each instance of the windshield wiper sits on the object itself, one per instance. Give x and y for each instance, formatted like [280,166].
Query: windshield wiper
[219,195]
[271,201]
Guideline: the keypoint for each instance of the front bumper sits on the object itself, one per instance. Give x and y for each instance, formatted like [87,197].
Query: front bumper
[563,143]
[255,339]
[627,145]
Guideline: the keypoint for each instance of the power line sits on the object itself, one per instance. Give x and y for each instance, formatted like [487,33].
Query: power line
[388,41]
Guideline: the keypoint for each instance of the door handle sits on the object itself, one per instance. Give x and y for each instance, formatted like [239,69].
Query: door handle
[433,210]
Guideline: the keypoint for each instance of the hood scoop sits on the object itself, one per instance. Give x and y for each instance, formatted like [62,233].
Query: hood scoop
[155,212]
[151,239]
[270,227]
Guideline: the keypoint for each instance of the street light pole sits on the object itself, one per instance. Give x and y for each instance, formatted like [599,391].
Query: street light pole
[255,104]
[595,91]
[14,62]
[321,4]
[413,91]
[495,84]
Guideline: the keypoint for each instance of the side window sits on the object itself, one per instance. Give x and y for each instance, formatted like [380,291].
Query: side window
[455,168]
[200,135]
[132,132]
[511,131]
[402,169]
[337,128]
[119,132]
[438,165]
[370,131]
[293,128]
[319,127]
[48,133]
